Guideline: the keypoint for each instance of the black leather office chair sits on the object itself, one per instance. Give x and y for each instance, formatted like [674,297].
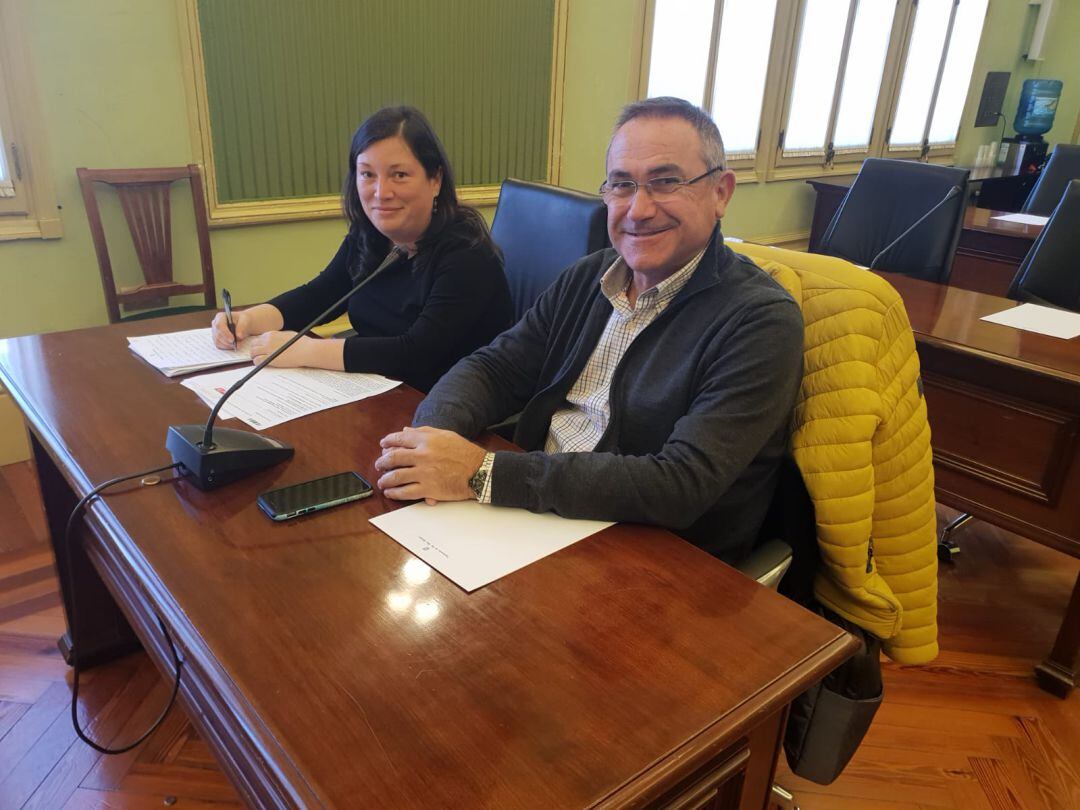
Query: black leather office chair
[1049,273]
[1062,167]
[887,198]
[542,230]
[786,547]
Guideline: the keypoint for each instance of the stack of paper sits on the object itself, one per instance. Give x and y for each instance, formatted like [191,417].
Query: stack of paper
[276,395]
[184,352]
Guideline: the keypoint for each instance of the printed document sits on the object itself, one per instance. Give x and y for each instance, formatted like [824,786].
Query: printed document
[1035,318]
[276,395]
[178,353]
[1023,219]
[474,544]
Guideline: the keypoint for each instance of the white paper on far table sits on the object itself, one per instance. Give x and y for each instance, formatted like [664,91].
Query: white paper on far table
[276,395]
[1023,219]
[176,353]
[474,544]
[1035,318]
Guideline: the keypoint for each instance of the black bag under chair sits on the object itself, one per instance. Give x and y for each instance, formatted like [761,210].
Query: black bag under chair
[828,721]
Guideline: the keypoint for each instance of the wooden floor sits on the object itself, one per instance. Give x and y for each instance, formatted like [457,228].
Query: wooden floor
[971,731]
[42,763]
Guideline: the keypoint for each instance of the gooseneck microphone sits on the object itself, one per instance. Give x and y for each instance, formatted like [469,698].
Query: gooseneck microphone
[211,458]
[952,192]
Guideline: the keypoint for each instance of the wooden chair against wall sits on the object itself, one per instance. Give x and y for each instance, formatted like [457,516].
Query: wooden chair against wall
[144,197]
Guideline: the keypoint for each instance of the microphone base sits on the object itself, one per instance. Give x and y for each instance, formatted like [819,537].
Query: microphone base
[234,454]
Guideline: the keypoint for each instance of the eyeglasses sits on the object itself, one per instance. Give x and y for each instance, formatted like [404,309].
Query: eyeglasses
[657,187]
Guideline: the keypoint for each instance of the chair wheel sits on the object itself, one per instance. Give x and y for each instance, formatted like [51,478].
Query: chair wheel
[947,551]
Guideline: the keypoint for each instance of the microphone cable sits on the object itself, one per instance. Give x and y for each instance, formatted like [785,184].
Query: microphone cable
[74,618]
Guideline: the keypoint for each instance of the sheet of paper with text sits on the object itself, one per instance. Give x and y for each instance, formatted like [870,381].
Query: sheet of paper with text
[474,544]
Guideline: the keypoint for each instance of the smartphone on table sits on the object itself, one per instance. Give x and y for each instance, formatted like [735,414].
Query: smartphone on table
[312,496]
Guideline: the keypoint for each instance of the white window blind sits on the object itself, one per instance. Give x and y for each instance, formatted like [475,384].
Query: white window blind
[862,76]
[963,46]
[7,187]
[937,72]
[719,64]
[839,61]
[742,60]
[680,49]
[821,43]
[806,87]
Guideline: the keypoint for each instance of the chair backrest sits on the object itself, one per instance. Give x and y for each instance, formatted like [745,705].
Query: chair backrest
[1062,167]
[1049,273]
[785,555]
[144,197]
[542,230]
[887,198]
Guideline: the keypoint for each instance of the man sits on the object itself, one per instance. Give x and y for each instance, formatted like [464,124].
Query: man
[655,381]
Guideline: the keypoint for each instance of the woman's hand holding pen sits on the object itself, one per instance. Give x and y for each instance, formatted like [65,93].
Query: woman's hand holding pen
[252,321]
[223,336]
[262,324]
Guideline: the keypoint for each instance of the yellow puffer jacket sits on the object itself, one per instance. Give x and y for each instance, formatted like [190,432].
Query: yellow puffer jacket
[862,443]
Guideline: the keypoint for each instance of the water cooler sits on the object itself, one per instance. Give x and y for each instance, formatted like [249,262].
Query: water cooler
[1026,153]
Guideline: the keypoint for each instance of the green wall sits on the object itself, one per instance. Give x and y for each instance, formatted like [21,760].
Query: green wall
[108,76]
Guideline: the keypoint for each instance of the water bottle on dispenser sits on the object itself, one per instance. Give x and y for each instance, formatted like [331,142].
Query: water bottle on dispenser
[1034,118]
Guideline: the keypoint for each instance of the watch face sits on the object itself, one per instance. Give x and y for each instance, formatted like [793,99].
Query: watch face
[480,477]
[476,483]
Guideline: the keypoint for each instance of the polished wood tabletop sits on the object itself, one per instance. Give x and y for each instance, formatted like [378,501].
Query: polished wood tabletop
[990,251]
[986,221]
[950,315]
[328,666]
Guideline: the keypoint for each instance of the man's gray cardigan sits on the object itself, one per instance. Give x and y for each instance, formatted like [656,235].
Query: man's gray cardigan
[701,403]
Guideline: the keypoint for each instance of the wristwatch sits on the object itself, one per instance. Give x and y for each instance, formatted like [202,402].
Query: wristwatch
[479,479]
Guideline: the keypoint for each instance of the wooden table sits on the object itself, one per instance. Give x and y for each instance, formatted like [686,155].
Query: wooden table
[1004,409]
[988,252]
[326,666]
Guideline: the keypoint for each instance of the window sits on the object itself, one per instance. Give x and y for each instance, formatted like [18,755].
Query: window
[808,87]
[944,41]
[836,80]
[27,204]
[280,87]
[716,55]
[7,176]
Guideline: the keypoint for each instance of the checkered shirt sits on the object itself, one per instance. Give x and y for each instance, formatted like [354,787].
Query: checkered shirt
[577,428]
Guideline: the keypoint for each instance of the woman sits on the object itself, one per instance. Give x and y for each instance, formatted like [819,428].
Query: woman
[446,298]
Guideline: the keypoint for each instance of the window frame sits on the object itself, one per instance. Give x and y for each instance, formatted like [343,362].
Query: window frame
[747,167]
[770,163]
[17,204]
[933,153]
[285,209]
[33,212]
[846,160]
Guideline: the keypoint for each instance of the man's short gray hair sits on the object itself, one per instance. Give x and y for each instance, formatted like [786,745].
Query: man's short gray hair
[712,145]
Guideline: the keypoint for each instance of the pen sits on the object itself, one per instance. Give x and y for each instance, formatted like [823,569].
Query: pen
[228,314]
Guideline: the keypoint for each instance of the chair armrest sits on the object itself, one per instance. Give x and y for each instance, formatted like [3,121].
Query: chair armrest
[767,563]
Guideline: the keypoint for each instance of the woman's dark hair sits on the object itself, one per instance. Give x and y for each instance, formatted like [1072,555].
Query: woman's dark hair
[452,224]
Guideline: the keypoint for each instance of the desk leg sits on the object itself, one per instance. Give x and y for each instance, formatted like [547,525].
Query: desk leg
[1057,674]
[104,633]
